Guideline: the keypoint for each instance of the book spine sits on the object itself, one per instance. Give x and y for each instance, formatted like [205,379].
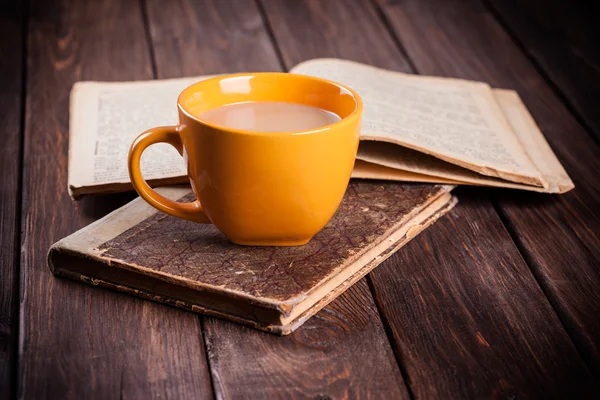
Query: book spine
[76,266]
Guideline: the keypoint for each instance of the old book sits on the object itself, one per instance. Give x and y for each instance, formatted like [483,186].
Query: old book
[415,128]
[146,253]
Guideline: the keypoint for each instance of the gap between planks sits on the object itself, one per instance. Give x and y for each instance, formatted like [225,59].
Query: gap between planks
[152,55]
[284,67]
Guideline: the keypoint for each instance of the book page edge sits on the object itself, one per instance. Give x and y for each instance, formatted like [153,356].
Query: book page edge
[294,324]
[487,171]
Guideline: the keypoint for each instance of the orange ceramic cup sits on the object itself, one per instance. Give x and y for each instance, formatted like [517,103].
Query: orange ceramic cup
[259,188]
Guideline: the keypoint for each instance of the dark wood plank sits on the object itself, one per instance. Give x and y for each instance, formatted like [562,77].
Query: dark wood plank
[331,29]
[563,38]
[557,234]
[343,352]
[429,374]
[311,29]
[340,353]
[481,324]
[12,21]
[81,342]
[209,37]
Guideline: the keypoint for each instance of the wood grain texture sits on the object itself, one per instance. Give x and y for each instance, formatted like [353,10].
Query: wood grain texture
[209,37]
[77,341]
[340,353]
[12,21]
[562,37]
[233,348]
[424,376]
[558,235]
[343,28]
[468,317]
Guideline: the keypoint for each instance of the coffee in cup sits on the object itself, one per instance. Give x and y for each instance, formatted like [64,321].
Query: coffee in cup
[270,116]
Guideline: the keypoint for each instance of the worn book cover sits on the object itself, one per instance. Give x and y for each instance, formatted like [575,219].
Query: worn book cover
[146,253]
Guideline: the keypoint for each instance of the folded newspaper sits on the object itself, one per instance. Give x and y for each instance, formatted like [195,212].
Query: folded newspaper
[415,128]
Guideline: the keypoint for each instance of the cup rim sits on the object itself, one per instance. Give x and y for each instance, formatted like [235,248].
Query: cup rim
[344,121]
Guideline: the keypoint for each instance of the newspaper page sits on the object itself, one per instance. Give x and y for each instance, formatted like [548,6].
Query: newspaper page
[105,119]
[453,120]
[380,160]
[536,146]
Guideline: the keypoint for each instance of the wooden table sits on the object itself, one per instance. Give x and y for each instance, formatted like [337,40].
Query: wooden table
[500,298]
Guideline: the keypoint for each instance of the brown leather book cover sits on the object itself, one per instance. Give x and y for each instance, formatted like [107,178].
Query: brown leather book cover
[143,252]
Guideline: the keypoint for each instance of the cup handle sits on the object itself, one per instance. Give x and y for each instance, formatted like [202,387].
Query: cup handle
[164,134]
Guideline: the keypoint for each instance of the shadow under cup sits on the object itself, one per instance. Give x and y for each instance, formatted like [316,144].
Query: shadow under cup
[269,188]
